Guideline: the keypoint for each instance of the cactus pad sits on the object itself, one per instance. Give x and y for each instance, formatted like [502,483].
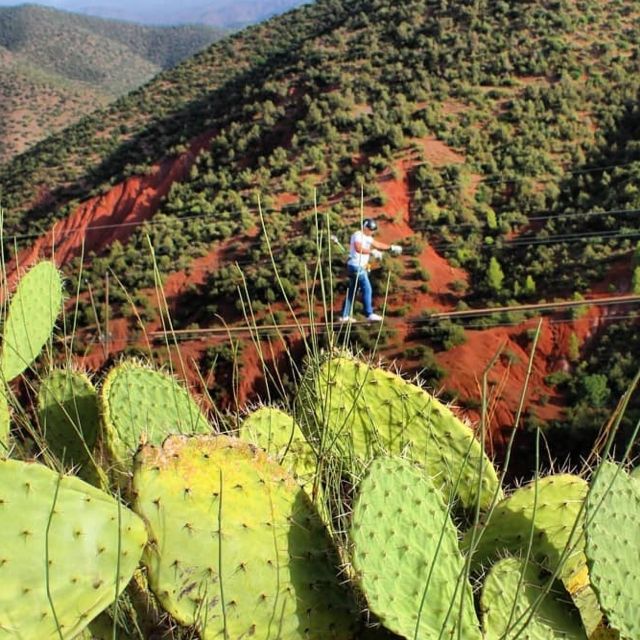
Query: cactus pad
[32,315]
[68,414]
[238,550]
[559,499]
[368,411]
[613,547]
[406,557]
[503,615]
[279,435]
[140,403]
[63,547]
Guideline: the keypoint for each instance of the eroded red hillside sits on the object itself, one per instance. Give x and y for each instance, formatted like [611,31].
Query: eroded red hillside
[113,216]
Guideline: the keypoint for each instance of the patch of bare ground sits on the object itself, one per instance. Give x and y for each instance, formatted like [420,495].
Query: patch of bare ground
[453,107]
[465,366]
[362,109]
[438,153]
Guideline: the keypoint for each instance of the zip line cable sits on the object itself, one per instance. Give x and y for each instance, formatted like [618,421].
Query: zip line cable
[417,227]
[450,186]
[185,335]
[438,246]
[486,311]
[518,241]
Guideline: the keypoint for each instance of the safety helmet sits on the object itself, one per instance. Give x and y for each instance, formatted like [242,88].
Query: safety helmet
[370,223]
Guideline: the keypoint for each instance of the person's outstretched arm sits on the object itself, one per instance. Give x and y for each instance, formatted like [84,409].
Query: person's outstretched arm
[394,248]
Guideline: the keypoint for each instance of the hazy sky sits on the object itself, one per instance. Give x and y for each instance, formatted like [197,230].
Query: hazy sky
[170,11]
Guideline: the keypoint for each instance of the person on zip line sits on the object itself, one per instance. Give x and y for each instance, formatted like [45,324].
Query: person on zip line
[361,248]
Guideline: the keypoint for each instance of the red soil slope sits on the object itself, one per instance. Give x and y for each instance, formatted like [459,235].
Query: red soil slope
[113,216]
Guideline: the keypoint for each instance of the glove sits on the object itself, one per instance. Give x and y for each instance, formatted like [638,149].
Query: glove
[396,248]
[376,254]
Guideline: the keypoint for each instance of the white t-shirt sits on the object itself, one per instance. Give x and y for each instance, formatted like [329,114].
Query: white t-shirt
[357,259]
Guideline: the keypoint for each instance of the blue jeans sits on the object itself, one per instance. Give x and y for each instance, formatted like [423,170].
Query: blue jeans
[358,278]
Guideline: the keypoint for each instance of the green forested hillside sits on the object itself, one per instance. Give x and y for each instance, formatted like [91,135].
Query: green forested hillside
[57,66]
[535,102]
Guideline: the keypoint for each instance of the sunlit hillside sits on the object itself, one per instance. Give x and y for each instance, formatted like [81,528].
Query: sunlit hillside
[497,142]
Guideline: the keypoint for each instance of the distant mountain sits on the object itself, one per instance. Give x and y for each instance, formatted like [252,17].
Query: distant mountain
[217,13]
[56,66]
[238,14]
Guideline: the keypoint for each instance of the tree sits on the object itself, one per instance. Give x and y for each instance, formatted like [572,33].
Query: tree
[529,286]
[597,391]
[574,347]
[495,275]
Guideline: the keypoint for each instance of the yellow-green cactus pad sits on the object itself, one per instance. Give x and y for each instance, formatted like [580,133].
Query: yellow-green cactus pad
[66,551]
[68,415]
[138,403]
[32,315]
[367,411]
[406,557]
[279,435]
[510,609]
[613,547]
[237,549]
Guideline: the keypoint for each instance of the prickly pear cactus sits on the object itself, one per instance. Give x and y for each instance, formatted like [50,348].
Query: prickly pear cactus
[367,411]
[32,314]
[279,435]
[66,551]
[68,415]
[613,547]
[557,506]
[510,609]
[557,500]
[237,549]
[406,557]
[138,402]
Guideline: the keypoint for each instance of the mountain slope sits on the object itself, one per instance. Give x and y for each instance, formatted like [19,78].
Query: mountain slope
[56,66]
[481,135]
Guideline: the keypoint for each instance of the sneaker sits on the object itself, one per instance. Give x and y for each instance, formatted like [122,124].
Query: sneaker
[374,317]
[344,319]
